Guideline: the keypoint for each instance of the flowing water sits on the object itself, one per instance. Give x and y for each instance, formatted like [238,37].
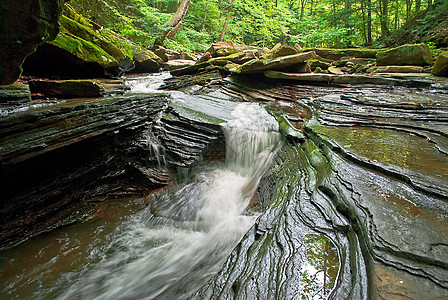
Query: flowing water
[165,251]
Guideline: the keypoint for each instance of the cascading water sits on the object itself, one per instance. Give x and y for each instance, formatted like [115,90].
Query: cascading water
[168,250]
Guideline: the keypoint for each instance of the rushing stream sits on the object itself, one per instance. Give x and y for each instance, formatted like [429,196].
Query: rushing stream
[170,248]
[351,202]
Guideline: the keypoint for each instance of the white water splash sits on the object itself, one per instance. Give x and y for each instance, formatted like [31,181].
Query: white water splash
[182,239]
[148,84]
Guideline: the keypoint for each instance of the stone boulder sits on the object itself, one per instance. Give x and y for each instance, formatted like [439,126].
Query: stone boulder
[415,55]
[77,52]
[146,61]
[317,63]
[337,54]
[223,49]
[261,65]
[161,52]
[205,57]
[396,69]
[67,88]
[24,25]
[283,50]
[441,65]
[180,63]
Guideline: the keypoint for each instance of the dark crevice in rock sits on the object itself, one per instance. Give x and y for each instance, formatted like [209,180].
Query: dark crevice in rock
[53,62]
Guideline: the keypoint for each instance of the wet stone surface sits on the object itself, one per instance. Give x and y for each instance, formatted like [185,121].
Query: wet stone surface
[371,178]
[355,209]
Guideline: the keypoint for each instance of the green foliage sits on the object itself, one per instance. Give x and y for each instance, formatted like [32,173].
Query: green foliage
[434,50]
[316,23]
[83,49]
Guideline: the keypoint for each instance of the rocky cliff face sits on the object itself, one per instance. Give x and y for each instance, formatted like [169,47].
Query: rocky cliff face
[24,25]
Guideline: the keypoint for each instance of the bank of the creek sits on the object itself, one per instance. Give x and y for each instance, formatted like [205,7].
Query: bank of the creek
[190,189]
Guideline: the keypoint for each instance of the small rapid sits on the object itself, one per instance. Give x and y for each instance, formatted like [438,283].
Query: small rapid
[168,250]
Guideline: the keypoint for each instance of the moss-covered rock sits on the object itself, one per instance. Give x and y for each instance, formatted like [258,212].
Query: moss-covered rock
[79,51]
[441,65]
[83,49]
[24,25]
[145,62]
[337,54]
[415,55]
[261,65]
[283,50]
[14,93]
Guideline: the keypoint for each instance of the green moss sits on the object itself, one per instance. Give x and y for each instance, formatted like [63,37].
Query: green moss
[83,49]
[75,25]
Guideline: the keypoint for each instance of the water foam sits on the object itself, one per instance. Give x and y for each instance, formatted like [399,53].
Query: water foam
[184,236]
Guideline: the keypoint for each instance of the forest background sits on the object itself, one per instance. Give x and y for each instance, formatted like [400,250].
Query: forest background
[263,23]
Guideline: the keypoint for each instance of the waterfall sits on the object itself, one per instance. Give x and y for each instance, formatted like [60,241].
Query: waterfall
[184,236]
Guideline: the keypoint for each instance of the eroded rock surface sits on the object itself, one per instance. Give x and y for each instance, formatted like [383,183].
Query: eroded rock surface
[369,180]
[57,154]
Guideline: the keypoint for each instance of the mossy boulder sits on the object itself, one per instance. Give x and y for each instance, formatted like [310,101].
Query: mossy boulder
[396,69]
[441,65]
[284,62]
[415,55]
[337,54]
[223,49]
[284,50]
[79,51]
[146,61]
[24,25]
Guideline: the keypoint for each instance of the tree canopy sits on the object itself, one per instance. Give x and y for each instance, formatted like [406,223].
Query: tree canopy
[310,23]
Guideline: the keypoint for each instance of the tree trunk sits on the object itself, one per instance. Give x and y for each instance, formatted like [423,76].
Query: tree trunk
[364,21]
[347,9]
[408,9]
[311,7]
[205,16]
[221,37]
[384,17]
[174,22]
[418,4]
[302,9]
[369,22]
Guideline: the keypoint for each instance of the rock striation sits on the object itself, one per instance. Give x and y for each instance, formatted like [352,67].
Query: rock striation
[369,180]
[55,155]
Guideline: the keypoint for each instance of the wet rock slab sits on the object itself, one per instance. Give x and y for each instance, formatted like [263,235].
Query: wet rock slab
[370,177]
[56,154]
